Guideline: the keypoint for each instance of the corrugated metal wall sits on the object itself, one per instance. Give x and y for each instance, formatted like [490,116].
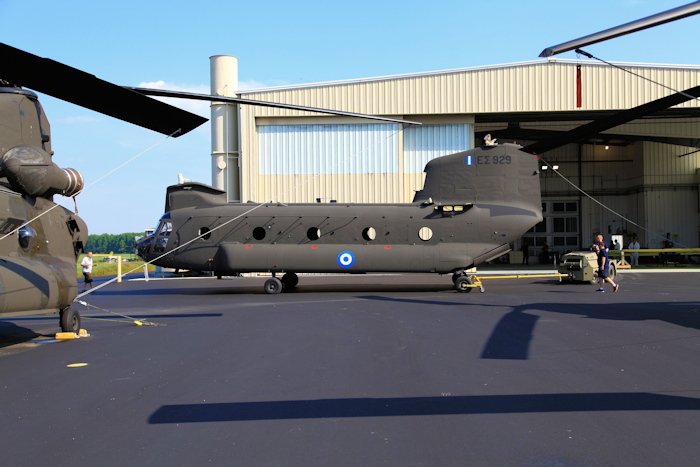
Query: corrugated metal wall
[422,144]
[328,149]
[352,162]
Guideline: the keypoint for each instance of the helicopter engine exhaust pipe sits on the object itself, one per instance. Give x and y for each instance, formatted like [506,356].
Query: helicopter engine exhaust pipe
[75,182]
[31,171]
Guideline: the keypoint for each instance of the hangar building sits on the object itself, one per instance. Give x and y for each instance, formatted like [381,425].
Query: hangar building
[645,170]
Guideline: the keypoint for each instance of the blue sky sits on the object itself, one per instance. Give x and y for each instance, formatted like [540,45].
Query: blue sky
[282,42]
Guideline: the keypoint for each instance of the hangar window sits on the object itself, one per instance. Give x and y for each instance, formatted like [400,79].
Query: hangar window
[564,224]
[425,233]
[369,234]
[540,227]
[258,233]
[313,233]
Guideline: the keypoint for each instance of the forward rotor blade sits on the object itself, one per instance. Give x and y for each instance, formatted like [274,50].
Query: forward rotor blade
[596,126]
[628,28]
[86,90]
[238,100]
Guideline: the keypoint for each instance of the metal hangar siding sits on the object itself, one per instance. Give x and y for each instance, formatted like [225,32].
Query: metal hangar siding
[648,180]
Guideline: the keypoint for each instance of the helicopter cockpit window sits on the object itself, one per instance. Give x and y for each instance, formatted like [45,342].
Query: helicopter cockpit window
[163,232]
[165,228]
[26,236]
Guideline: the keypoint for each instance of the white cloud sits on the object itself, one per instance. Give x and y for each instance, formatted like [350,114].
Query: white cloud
[250,84]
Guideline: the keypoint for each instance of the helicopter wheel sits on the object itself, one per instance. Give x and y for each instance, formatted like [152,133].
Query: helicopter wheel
[273,286]
[290,280]
[461,284]
[456,276]
[70,320]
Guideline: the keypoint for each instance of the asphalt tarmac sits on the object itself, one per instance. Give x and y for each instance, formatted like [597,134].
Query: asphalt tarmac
[361,370]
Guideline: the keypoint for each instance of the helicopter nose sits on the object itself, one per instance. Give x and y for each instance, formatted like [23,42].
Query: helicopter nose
[143,246]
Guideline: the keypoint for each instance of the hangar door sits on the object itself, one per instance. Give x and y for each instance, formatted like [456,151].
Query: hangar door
[320,149]
[352,162]
[424,143]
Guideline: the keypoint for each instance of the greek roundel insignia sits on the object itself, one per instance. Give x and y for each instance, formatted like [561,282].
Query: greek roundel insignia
[346,259]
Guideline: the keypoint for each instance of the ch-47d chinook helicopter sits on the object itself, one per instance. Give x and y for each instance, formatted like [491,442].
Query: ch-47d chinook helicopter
[472,205]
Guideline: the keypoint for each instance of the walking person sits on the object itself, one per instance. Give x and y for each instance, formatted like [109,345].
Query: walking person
[86,263]
[604,268]
[526,252]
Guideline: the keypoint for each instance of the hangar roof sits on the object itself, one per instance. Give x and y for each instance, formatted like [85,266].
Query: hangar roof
[543,85]
[468,69]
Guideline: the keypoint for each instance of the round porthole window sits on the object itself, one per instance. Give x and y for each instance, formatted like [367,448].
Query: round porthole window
[313,233]
[258,233]
[369,234]
[26,236]
[205,233]
[425,233]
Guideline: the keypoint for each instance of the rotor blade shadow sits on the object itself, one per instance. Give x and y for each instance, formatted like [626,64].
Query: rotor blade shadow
[510,339]
[419,406]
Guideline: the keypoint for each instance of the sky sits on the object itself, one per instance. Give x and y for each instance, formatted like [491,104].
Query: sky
[168,44]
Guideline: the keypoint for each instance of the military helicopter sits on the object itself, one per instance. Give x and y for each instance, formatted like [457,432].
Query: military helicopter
[38,263]
[472,205]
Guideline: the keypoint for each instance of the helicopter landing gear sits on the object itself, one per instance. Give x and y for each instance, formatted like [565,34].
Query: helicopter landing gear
[464,283]
[290,280]
[273,285]
[70,320]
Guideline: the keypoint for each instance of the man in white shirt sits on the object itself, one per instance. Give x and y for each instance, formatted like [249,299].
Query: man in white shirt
[86,263]
[635,256]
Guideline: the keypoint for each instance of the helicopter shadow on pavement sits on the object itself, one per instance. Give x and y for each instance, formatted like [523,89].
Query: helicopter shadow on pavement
[511,337]
[11,334]
[419,406]
[306,289]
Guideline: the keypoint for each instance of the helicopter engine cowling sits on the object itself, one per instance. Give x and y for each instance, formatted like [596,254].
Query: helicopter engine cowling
[31,171]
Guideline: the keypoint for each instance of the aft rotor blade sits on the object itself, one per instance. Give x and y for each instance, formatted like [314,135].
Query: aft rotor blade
[597,126]
[238,100]
[77,87]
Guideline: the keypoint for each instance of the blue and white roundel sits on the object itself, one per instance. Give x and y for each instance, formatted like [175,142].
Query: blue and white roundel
[346,259]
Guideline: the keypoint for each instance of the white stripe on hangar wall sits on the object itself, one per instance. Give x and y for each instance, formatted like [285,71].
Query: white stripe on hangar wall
[328,149]
[369,148]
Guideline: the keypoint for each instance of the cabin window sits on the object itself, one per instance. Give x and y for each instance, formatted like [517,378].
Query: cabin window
[369,234]
[26,237]
[313,233]
[205,233]
[259,233]
[425,233]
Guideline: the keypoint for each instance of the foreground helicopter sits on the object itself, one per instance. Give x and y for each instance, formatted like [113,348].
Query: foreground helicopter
[38,262]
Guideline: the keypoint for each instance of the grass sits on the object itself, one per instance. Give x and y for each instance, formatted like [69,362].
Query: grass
[102,268]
